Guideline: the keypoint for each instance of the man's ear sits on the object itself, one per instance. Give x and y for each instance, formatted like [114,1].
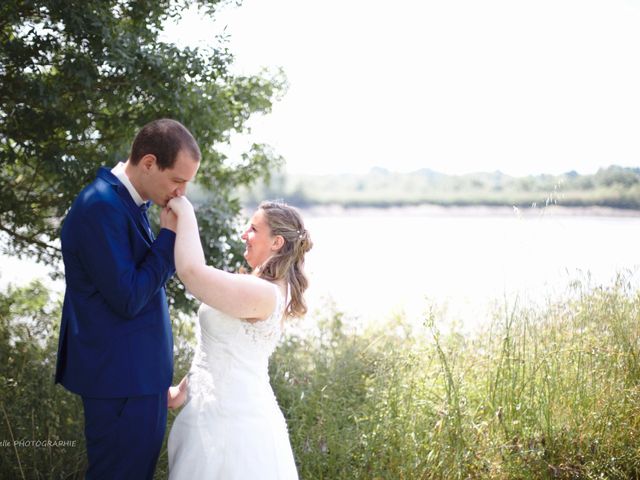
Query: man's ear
[148,161]
[278,243]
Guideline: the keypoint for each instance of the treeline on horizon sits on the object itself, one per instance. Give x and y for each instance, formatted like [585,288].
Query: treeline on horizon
[613,186]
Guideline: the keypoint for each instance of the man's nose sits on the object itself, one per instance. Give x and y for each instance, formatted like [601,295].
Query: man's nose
[181,190]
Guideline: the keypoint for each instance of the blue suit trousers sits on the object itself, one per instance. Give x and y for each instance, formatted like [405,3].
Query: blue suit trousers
[124,435]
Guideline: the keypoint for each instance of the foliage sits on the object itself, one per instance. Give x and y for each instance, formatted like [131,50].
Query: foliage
[544,393]
[33,409]
[78,79]
[613,186]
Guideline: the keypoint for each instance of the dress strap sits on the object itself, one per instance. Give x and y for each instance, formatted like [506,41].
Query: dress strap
[281,301]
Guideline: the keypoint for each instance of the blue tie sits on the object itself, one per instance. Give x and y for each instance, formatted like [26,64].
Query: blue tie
[145,219]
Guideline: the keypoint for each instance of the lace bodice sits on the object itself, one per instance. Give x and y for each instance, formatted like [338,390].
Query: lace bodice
[232,354]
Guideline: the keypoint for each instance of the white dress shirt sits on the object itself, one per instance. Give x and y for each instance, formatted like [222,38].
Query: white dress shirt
[121,175]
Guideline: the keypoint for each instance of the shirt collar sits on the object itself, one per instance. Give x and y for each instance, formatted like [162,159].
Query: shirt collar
[121,175]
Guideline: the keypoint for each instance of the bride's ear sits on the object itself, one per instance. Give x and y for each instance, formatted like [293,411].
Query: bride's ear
[278,243]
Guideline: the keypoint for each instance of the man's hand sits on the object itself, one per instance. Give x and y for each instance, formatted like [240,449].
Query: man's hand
[168,219]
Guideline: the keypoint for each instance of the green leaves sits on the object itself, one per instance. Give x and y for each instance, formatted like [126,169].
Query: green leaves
[78,79]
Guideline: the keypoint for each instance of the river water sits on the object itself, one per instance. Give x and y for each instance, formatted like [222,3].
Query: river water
[373,263]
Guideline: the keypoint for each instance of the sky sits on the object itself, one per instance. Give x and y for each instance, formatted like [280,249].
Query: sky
[456,86]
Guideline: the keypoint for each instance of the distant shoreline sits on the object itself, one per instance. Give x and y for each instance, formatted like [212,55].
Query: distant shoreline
[612,191]
[430,210]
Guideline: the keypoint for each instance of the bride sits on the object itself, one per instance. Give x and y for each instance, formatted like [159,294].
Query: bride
[231,426]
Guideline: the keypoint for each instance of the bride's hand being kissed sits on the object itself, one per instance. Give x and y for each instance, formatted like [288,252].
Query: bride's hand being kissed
[180,206]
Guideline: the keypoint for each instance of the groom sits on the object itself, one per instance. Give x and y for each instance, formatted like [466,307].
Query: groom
[116,345]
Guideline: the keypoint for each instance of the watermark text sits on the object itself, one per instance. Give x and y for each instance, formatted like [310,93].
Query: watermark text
[24,443]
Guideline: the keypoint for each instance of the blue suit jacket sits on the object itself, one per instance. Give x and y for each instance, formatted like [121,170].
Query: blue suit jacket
[115,335]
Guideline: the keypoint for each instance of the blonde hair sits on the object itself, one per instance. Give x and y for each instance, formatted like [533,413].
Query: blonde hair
[288,262]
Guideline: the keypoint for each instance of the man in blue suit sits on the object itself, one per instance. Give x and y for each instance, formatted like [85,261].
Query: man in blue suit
[116,345]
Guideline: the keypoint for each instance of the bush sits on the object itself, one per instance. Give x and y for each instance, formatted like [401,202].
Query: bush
[35,412]
[546,392]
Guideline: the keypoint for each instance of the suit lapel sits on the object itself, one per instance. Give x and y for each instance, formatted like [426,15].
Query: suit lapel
[134,210]
[129,203]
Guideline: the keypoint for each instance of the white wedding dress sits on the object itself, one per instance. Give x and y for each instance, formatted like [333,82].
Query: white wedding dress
[231,426]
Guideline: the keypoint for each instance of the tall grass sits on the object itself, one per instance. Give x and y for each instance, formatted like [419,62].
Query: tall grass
[545,392]
[33,411]
[551,392]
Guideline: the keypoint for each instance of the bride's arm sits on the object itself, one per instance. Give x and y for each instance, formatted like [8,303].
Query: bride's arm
[242,296]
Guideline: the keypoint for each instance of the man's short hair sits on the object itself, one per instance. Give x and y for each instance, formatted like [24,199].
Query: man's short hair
[164,138]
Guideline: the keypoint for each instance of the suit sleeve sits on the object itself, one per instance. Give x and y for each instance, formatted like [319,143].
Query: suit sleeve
[105,249]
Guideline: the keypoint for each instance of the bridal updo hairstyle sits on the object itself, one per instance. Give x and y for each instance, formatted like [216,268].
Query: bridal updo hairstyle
[288,262]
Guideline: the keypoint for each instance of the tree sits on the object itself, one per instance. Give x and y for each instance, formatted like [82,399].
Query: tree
[79,78]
